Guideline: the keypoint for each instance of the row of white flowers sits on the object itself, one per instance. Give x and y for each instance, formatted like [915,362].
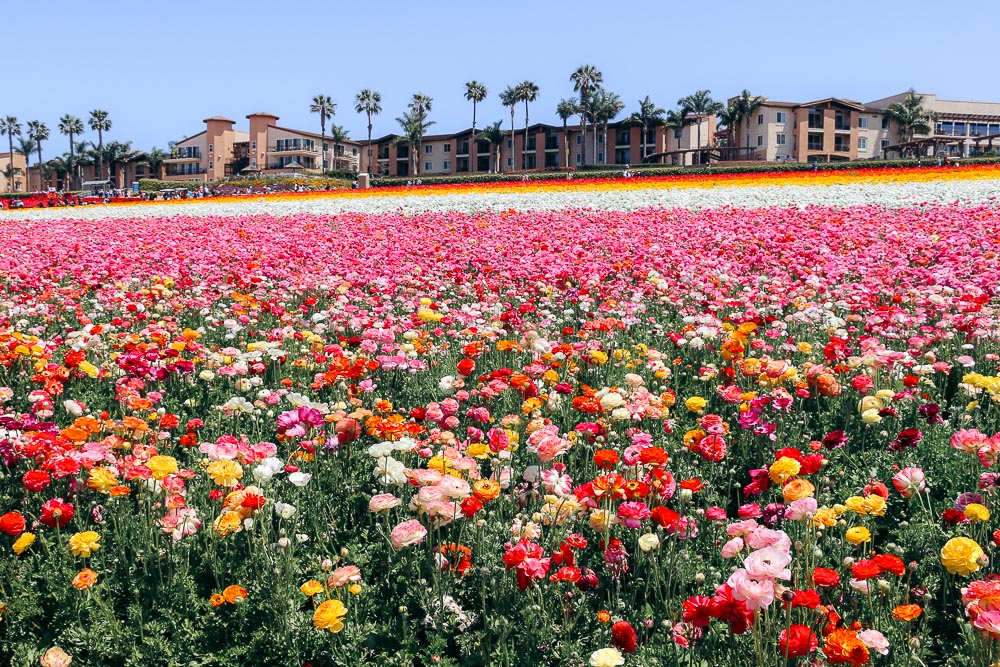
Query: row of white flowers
[888,194]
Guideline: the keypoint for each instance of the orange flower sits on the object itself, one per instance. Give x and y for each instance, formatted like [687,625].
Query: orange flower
[234,594]
[843,647]
[485,490]
[134,424]
[693,485]
[604,616]
[84,579]
[75,434]
[217,600]
[120,490]
[907,612]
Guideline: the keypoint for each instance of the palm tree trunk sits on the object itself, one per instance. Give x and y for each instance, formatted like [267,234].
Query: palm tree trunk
[565,145]
[322,143]
[699,141]
[642,144]
[369,144]
[583,139]
[100,155]
[10,144]
[41,171]
[473,148]
[524,148]
[513,142]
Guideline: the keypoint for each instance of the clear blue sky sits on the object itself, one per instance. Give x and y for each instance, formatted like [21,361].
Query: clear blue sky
[160,68]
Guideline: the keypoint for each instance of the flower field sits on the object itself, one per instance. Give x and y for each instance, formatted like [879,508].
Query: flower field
[675,421]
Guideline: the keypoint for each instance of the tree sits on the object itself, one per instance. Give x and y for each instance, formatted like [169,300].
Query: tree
[494,136]
[729,118]
[39,132]
[71,126]
[910,116]
[701,106]
[678,119]
[414,124]
[475,92]
[527,91]
[100,122]
[746,105]
[337,135]
[566,109]
[508,98]
[325,107]
[10,127]
[84,158]
[649,115]
[26,146]
[585,79]
[154,158]
[606,108]
[60,167]
[368,102]
[11,172]
[117,154]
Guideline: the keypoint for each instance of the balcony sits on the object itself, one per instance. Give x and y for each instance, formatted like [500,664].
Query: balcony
[182,155]
[623,139]
[842,147]
[551,143]
[285,149]
[183,172]
[463,148]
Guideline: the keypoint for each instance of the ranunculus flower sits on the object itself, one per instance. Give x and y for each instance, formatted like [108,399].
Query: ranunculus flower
[12,523]
[329,615]
[407,534]
[961,556]
[797,641]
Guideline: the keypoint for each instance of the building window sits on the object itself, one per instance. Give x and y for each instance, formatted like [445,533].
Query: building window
[447,165]
[816,119]
[447,148]
[885,144]
[760,119]
[780,139]
[579,157]
[510,162]
[210,146]
[253,162]
[782,117]
[600,138]
[863,143]
[600,157]
[863,122]
[253,145]
[678,134]
[760,139]
[579,140]
[428,166]
[428,149]
[885,123]
[510,143]
[209,164]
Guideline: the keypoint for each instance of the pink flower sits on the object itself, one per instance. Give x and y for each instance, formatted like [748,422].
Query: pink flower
[756,594]
[732,548]
[344,575]
[768,563]
[765,537]
[741,527]
[383,502]
[909,481]
[874,640]
[632,514]
[407,534]
[800,509]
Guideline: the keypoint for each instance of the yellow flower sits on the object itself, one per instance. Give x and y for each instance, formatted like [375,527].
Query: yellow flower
[871,417]
[784,469]
[856,504]
[875,504]
[858,535]
[606,657]
[330,616]
[228,522]
[23,543]
[162,466]
[225,472]
[84,544]
[598,357]
[101,479]
[88,368]
[479,450]
[805,348]
[695,404]
[960,555]
[825,517]
[311,587]
[976,512]
[355,589]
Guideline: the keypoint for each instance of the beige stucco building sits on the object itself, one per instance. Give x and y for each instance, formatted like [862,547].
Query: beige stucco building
[20,175]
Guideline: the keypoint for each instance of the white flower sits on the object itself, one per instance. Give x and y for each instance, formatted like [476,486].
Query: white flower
[381,449]
[649,542]
[284,510]
[447,385]
[299,478]
[405,445]
[75,408]
[389,471]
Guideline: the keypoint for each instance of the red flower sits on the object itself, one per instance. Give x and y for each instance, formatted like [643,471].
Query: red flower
[797,641]
[865,569]
[36,480]
[665,517]
[466,366]
[470,506]
[624,637]
[653,456]
[693,485]
[12,523]
[952,516]
[808,599]
[825,577]
[253,501]
[698,610]
[890,563]
[588,580]
[567,573]
[56,512]
[606,458]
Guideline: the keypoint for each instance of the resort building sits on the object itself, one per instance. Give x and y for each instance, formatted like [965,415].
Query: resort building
[962,128]
[221,151]
[17,164]
[547,147]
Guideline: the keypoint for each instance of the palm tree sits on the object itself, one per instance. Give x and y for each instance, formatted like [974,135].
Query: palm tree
[60,167]
[606,108]
[39,132]
[678,119]
[117,153]
[11,172]
[100,122]
[337,135]
[70,125]
[527,91]
[494,136]
[649,115]
[419,106]
[26,146]
[746,105]
[565,110]
[84,158]
[584,79]
[154,158]
[10,127]
[325,107]
[910,116]
[509,98]
[701,106]
[475,92]
[368,102]
[729,118]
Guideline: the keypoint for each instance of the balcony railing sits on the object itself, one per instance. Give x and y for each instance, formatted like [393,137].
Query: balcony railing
[188,172]
[551,143]
[304,150]
[623,140]
[815,123]
[185,154]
